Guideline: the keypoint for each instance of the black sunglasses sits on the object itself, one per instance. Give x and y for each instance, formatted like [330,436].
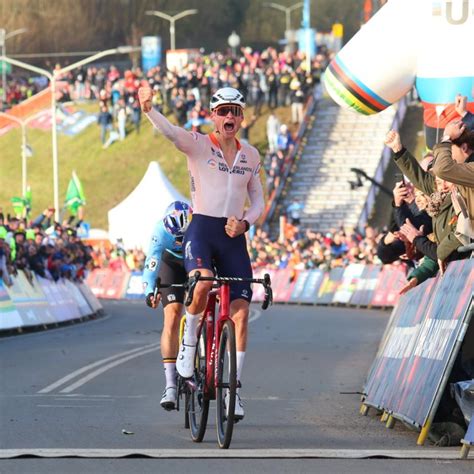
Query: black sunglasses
[223,110]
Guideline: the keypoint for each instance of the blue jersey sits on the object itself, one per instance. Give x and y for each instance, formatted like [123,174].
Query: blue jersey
[161,241]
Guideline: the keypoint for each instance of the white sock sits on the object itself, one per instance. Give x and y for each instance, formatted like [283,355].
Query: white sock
[240,364]
[190,329]
[170,372]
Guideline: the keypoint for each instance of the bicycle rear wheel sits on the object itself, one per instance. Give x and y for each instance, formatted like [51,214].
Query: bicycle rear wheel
[197,404]
[226,385]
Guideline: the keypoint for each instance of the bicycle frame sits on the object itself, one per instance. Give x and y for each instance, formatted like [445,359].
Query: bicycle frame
[214,327]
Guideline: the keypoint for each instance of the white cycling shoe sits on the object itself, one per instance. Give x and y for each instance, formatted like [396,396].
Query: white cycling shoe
[169,398]
[239,407]
[185,360]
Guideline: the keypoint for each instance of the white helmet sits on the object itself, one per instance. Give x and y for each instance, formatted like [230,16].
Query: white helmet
[227,95]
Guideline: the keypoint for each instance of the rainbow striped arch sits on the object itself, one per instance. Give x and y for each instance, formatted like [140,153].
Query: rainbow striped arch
[341,83]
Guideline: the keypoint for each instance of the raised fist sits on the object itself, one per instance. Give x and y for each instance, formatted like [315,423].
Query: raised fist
[145,95]
[392,140]
[460,104]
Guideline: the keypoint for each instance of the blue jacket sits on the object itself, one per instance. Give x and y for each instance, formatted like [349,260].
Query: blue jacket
[161,241]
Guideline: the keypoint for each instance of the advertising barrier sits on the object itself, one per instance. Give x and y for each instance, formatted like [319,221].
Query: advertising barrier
[29,301]
[94,303]
[350,279]
[57,302]
[365,287]
[34,302]
[420,345]
[280,282]
[96,281]
[330,285]
[78,299]
[9,317]
[135,287]
[298,287]
[311,287]
[390,282]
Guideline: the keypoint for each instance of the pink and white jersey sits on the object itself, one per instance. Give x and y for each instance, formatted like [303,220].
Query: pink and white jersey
[217,190]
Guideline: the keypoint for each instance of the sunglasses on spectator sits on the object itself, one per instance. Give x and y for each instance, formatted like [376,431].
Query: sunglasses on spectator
[235,110]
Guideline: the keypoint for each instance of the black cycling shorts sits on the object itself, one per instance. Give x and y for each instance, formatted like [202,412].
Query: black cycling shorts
[206,245]
[172,271]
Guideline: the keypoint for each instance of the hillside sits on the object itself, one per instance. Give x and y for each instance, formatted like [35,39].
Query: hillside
[109,175]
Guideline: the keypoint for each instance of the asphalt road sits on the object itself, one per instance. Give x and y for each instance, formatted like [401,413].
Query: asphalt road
[79,387]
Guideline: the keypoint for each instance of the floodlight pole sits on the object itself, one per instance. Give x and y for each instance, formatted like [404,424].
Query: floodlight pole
[286,10]
[52,78]
[23,124]
[172,20]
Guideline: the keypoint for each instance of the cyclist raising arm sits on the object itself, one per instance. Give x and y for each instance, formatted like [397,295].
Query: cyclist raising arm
[223,172]
[165,259]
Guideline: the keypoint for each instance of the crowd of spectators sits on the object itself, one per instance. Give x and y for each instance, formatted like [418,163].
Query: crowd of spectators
[49,249]
[267,78]
[434,203]
[307,250]
[19,88]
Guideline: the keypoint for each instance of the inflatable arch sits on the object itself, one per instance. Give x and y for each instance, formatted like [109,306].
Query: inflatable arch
[423,43]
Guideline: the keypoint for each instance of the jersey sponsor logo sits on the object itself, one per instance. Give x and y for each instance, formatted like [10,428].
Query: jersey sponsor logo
[241,170]
[212,163]
[192,184]
[171,298]
[245,293]
[187,251]
[223,167]
[216,153]
[243,159]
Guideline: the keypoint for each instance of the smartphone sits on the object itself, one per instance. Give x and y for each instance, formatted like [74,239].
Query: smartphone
[400,177]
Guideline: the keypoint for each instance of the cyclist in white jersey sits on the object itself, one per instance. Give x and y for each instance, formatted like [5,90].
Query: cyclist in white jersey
[223,173]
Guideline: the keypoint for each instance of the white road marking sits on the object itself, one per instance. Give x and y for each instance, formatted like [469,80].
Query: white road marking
[68,399]
[426,453]
[118,359]
[80,371]
[100,371]
[70,406]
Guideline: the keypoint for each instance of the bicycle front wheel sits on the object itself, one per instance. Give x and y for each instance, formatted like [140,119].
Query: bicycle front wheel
[226,385]
[198,404]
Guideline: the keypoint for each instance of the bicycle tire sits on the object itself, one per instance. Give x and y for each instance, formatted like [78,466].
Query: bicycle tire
[186,412]
[197,407]
[226,381]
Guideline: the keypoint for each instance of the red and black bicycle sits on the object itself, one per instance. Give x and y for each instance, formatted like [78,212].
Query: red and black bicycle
[215,373]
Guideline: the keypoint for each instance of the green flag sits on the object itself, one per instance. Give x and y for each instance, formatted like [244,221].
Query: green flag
[18,204]
[28,200]
[74,195]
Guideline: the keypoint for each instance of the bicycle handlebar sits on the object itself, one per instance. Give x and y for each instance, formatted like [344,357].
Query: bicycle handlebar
[266,282]
[191,283]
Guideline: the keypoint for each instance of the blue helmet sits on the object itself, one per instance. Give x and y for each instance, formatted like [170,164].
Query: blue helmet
[177,218]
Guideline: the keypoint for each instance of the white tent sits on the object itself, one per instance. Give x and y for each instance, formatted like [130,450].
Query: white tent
[134,219]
